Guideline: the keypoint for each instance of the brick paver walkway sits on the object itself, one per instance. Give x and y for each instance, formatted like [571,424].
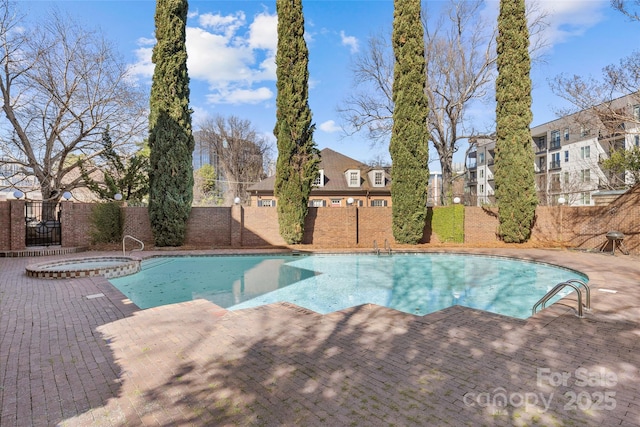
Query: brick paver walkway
[76,361]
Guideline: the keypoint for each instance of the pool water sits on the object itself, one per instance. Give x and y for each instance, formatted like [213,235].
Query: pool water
[413,283]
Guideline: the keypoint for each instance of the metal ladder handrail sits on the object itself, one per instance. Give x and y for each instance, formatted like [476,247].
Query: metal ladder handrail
[587,292]
[124,252]
[387,247]
[376,249]
[557,288]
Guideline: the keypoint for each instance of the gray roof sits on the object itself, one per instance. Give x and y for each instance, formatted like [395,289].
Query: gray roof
[334,166]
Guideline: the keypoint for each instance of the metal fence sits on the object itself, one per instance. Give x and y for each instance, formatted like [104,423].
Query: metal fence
[42,224]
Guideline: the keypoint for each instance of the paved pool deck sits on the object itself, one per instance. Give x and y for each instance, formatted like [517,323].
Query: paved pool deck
[76,352]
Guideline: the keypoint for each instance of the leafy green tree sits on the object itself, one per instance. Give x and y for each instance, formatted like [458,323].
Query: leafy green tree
[409,142]
[128,177]
[298,157]
[170,134]
[624,161]
[514,161]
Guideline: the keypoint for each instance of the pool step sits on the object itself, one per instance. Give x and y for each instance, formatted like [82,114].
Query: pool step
[154,262]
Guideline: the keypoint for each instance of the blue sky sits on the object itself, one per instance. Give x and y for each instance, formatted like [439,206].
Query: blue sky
[231,46]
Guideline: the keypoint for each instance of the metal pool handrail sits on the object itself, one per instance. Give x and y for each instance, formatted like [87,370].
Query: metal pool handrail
[557,288]
[124,253]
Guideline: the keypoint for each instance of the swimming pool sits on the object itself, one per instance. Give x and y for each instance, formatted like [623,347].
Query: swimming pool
[413,283]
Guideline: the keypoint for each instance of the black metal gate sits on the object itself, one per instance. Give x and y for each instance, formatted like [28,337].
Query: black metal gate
[43,224]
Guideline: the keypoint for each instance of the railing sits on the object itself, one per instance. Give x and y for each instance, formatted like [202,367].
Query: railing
[573,283]
[387,247]
[124,252]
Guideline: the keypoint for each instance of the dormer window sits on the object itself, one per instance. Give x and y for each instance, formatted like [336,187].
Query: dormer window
[319,181]
[353,178]
[378,178]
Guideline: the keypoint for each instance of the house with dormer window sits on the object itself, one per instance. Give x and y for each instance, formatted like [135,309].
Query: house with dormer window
[341,181]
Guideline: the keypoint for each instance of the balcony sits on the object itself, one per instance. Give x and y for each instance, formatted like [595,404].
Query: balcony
[555,145]
[541,168]
[554,165]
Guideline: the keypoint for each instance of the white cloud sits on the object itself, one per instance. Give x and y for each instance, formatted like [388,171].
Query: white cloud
[571,18]
[263,32]
[349,41]
[329,126]
[143,67]
[565,19]
[228,53]
[228,25]
[240,96]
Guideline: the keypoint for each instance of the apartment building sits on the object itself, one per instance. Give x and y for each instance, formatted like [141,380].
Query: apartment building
[480,186]
[569,151]
[568,155]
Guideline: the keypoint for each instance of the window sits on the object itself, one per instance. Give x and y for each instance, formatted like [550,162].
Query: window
[353,178]
[555,161]
[586,198]
[555,139]
[566,155]
[566,177]
[541,143]
[267,203]
[585,132]
[319,181]
[566,134]
[481,172]
[636,111]
[586,175]
[481,158]
[378,203]
[336,202]
[585,152]
[378,179]
[317,203]
[637,138]
[481,188]
[542,164]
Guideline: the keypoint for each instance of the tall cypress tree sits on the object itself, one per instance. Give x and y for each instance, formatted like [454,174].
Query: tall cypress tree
[298,157]
[409,142]
[170,136]
[514,166]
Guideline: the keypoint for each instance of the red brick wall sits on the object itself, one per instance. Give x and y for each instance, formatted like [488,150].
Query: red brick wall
[261,227]
[75,223]
[480,224]
[580,227]
[209,227]
[331,227]
[374,224]
[5,225]
[136,224]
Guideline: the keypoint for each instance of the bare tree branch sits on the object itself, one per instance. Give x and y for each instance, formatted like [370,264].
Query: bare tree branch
[61,86]
[460,53]
[242,153]
[625,6]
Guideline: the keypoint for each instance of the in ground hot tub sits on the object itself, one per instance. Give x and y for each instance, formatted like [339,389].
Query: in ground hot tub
[106,266]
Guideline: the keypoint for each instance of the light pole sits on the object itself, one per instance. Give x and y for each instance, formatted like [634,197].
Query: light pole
[561,201]
[456,201]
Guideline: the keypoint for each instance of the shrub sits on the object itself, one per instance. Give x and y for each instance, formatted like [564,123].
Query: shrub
[448,223]
[107,223]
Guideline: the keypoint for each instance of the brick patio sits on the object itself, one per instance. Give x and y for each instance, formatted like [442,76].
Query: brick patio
[75,361]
